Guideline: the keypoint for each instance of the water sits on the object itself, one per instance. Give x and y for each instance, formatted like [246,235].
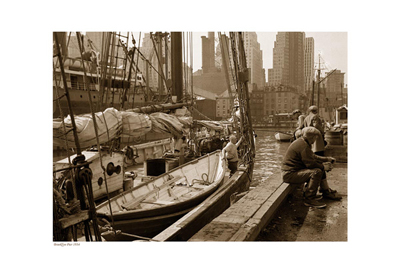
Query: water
[269,155]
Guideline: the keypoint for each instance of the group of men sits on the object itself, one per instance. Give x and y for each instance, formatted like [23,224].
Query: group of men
[304,162]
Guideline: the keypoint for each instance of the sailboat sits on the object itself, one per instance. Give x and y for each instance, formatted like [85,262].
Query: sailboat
[133,203]
[150,207]
[238,184]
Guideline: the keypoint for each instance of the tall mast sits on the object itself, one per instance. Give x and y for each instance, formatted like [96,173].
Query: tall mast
[318,79]
[158,36]
[176,63]
[223,41]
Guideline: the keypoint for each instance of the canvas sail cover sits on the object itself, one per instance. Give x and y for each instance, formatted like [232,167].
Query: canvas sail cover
[109,124]
[112,123]
[166,123]
[134,125]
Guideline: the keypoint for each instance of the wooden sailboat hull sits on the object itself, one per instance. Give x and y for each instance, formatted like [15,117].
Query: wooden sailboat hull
[146,226]
[184,228]
[152,206]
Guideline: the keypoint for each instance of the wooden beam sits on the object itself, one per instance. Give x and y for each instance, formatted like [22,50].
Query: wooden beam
[74,219]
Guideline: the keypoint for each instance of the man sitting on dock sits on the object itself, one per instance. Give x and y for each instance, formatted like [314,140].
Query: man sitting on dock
[230,153]
[300,165]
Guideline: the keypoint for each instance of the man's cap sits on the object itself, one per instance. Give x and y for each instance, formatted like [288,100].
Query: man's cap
[309,131]
[313,108]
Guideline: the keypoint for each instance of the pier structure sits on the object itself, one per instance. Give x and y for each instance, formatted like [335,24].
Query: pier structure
[245,219]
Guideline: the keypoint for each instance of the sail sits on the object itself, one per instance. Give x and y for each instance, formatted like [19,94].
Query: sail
[112,124]
[109,123]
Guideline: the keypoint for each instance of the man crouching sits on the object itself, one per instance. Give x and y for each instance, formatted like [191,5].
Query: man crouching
[300,165]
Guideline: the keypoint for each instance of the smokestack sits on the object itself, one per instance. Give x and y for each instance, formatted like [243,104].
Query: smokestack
[212,50]
[205,51]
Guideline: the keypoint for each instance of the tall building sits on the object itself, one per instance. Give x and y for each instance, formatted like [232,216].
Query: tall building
[254,61]
[211,78]
[288,61]
[224,106]
[309,65]
[208,53]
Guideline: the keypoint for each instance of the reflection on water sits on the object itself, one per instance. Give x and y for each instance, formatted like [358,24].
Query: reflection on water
[269,155]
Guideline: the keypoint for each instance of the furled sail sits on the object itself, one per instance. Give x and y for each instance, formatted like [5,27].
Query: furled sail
[109,123]
[112,124]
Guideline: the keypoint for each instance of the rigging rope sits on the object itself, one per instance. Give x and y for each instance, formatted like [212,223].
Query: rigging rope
[159,62]
[137,62]
[65,136]
[97,140]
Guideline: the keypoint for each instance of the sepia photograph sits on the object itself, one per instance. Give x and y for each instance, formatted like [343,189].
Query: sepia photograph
[187,136]
[169,136]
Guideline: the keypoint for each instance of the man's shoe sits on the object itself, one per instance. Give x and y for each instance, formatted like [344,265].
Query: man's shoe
[318,197]
[314,203]
[330,190]
[331,194]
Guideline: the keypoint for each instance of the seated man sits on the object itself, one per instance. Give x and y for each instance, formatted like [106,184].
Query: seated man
[300,165]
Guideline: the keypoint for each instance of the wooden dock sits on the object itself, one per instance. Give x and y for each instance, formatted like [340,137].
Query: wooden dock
[244,220]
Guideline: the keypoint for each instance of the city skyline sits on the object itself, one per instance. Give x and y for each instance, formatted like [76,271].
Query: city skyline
[332,46]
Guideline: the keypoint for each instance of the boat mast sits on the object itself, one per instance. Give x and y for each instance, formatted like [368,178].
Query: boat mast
[176,63]
[318,79]
[246,97]
[105,50]
[242,78]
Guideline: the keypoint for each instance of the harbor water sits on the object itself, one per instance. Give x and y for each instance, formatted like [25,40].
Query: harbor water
[269,155]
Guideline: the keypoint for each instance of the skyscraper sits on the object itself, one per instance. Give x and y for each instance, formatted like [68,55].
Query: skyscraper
[309,64]
[288,61]
[254,60]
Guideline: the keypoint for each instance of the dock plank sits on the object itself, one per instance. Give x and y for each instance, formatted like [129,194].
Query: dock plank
[244,220]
